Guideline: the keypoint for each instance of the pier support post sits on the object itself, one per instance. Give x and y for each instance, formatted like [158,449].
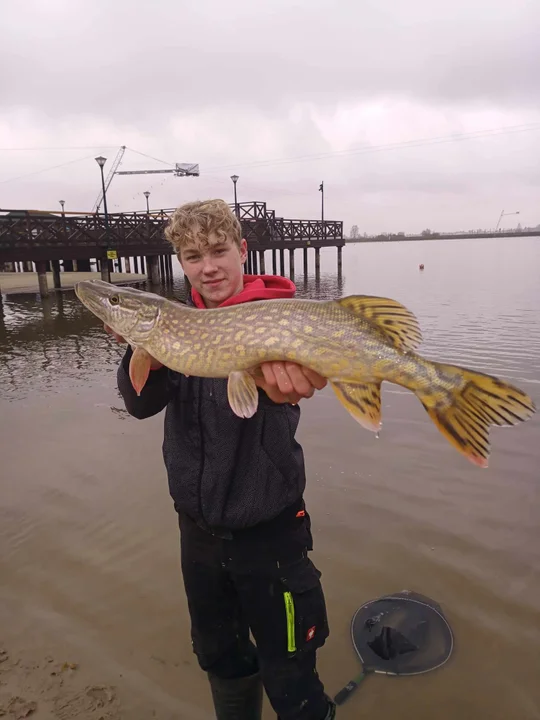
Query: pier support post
[105,268]
[339,260]
[41,267]
[291,263]
[274,261]
[171,268]
[161,268]
[282,261]
[317,261]
[305,262]
[56,274]
[262,263]
[254,262]
[152,268]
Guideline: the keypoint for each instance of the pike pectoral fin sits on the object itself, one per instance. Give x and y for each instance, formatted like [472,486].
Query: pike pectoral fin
[362,401]
[139,369]
[242,393]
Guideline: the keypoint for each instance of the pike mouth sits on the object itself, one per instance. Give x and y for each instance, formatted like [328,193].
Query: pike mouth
[94,295]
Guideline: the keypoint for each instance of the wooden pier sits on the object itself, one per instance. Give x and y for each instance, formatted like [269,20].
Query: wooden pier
[135,242]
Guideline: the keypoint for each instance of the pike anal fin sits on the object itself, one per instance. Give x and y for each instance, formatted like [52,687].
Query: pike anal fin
[139,369]
[243,394]
[363,401]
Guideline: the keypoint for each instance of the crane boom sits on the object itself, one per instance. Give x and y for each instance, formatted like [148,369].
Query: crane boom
[180,170]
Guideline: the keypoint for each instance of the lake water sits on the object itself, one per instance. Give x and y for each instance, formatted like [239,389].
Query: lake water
[88,538]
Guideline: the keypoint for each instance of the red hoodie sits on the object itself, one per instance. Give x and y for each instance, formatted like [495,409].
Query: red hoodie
[256,287]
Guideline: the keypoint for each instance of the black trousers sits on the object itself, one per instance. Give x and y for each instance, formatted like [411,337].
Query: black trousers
[261,580]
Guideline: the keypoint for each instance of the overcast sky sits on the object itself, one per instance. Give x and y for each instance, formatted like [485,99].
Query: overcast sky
[366,95]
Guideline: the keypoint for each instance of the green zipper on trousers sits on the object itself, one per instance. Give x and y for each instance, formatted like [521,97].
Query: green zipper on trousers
[289,611]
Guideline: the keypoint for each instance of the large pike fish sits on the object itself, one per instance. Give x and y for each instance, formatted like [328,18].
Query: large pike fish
[355,342]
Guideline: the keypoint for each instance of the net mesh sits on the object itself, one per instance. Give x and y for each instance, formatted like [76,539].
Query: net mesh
[402,634]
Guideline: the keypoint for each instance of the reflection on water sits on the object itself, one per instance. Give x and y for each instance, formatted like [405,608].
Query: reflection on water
[55,343]
[49,344]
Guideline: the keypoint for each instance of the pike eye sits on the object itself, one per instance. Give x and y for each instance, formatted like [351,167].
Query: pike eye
[114,300]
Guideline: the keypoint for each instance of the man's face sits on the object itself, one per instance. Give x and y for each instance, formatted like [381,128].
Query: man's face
[215,270]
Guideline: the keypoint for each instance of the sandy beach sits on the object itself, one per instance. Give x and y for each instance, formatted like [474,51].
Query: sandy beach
[27,282]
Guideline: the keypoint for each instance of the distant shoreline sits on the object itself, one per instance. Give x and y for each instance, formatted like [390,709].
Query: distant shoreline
[442,236]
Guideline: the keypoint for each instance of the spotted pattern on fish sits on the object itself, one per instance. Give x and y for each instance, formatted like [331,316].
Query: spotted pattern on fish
[356,342]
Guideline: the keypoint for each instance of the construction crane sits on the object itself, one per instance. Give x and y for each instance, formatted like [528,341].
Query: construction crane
[108,181]
[179,170]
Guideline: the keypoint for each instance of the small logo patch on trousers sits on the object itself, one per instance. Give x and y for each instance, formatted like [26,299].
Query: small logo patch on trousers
[310,633]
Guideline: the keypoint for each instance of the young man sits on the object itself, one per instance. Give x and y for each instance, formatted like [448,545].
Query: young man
[237,487]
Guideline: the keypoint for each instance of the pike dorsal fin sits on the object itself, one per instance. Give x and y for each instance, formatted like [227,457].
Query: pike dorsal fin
[391,318]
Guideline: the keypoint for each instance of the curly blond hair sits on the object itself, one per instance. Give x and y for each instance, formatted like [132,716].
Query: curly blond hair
[193,222]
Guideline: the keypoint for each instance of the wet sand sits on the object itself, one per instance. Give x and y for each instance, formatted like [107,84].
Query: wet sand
[93,616]
[27,282]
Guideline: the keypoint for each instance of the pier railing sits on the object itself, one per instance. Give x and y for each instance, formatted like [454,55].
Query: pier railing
[28,235]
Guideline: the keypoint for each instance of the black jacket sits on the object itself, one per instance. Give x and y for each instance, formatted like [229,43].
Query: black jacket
[224,472]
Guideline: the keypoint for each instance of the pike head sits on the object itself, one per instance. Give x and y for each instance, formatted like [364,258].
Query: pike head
[129,312]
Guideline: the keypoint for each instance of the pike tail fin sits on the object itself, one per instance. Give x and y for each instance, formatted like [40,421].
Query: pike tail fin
[463,414]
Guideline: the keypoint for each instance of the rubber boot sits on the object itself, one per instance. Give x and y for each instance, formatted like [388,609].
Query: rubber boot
[331,714]
[238,698]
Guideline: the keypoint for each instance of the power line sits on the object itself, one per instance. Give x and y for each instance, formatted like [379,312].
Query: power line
[378,148]
[54,167]
[420,142]
[70,147]
[151,157]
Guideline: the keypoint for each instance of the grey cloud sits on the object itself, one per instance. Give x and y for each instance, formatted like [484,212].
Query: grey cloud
[134,60]
[228,85]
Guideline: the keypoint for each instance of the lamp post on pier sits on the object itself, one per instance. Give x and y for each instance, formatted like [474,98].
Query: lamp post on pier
[234,178]
[105,268]
[146,194]
[321,190]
